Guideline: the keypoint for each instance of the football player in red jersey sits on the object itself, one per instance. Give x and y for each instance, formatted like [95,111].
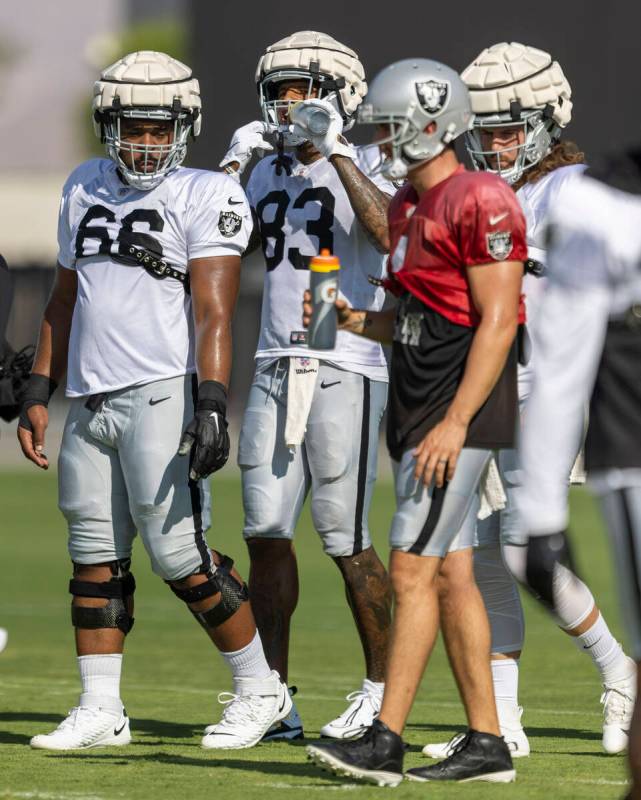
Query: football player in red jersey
[456,265]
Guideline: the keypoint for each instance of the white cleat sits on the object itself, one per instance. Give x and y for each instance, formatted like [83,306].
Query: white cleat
[289,728]
[359,715]
[87,726]
[511,731]
[4,636]
[618,705]
[250,711]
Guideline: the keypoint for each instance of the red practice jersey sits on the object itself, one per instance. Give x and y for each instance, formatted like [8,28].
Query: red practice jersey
[468,219]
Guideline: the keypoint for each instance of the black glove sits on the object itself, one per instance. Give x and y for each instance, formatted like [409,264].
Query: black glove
[38,393]
[206,435]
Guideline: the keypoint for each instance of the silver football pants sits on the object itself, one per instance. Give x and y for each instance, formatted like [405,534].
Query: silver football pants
[337,460]
[119,473]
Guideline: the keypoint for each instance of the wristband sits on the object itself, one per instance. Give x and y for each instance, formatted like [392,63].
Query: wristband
[212,396]
[39,390]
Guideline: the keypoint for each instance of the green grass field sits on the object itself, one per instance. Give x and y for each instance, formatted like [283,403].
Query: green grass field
[172,676]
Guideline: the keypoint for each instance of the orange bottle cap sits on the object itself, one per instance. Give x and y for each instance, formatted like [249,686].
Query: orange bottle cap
[325,262]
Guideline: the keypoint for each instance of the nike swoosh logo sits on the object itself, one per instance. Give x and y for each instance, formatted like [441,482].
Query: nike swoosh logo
[235,202]
[327,385]
[153,402]
[118,731]
[495,220]
[282,705]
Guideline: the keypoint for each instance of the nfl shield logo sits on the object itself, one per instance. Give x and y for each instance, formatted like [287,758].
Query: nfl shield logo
[433,95]
[499,244]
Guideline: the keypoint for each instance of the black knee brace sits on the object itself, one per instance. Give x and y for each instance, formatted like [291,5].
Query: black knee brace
[232,595]
[543,554]
[116,591]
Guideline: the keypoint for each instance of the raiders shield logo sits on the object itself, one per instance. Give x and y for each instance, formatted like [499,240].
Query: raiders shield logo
[499,244]
[229,223]
[433,95]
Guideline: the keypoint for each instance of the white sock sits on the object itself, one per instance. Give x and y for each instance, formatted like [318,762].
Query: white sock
[249,661]
[374,687]
[605,651]
[505,677]
[100,677]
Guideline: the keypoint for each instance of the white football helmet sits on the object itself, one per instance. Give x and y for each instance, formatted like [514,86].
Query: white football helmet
[513,85]
[152,86]
[406,97]
[330,66]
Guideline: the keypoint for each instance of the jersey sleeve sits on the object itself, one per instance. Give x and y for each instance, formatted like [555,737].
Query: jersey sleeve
[219,220]
[492,226]
[66,251]
[571,329]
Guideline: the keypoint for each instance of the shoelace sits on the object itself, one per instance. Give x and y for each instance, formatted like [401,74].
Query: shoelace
[614,702]
[238,709]
[354,698]
[79,714]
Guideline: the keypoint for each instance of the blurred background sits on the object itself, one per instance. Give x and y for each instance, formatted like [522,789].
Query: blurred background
[50,54]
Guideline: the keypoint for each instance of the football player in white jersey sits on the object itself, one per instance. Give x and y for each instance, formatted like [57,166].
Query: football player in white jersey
[139,319]
[589,349]
[312,417]
[521,101]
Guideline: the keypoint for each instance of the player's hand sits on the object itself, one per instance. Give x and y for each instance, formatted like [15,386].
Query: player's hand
[247,140]
[348,318]
[206,435]
[331,143]
[31,434]
[437,454]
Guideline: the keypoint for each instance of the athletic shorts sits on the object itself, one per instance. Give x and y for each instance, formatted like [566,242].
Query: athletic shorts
[337,460]
[119,473]
[431,521]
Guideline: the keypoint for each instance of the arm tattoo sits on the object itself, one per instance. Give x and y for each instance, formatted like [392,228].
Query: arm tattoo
[368,201]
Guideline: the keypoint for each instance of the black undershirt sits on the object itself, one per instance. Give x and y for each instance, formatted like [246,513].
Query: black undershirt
[428,361]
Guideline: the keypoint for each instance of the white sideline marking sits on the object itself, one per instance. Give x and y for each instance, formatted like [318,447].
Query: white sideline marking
[159,689]
[324,787]
[596,782]
[50,795]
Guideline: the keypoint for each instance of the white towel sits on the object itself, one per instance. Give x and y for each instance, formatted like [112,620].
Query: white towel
[578,474]
[300,393]
[491,491]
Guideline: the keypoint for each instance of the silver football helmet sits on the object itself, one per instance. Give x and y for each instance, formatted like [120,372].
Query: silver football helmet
[151,86]
[512,85]
[407,97]
[326,64]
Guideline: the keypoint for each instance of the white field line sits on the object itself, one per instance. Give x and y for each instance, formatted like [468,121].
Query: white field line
[323,787]
[160,689]
[35,795]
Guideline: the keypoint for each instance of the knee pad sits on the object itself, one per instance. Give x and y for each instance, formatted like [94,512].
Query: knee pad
[573,600]
[232,595]
[501,598]
[116,591]
[545,556]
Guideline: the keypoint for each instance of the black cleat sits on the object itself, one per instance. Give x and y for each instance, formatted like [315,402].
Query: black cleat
[377,757]
[477,757]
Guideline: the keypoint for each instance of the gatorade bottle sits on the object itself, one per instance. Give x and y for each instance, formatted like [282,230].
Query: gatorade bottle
[323,284]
